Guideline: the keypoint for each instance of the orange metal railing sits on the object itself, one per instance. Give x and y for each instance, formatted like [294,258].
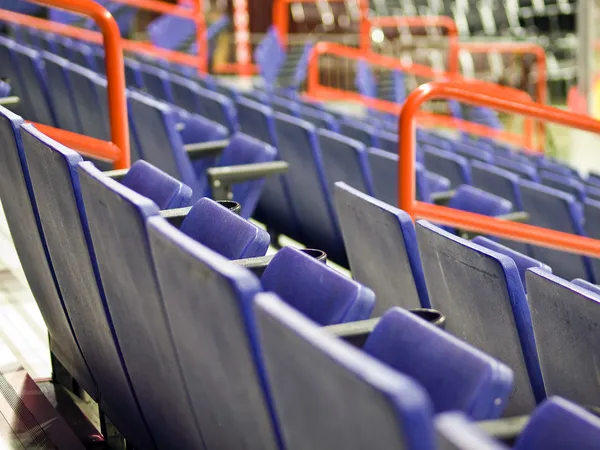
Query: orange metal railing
[318,91]
[470,94]
[117,150]
[443,22]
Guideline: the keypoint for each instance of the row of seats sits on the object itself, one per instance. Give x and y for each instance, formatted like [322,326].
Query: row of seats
[246,363]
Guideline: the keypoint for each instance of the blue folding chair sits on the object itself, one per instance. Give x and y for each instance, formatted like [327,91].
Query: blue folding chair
[386,141]
[497,181]
[454,167]
[318,118]
[10,73]
[587,285]
[525,171]
[311,372]
[470,199]
[382,249]
[591,210]
[434,140]
[322,294]
[358,130]
[473,152]
[550,208]
[480,293]
[565,183]
[470,381]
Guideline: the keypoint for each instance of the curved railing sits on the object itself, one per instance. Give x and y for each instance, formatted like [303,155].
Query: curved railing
[460,91]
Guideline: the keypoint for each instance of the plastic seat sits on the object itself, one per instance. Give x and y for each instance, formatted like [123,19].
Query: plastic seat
[284,105]
[522,261]
[311,200]
[565,319]
[224,231]
[382,249]
[497,181]
[525,171]
[587,285]
[563,183]
[156,82]
[118,226]
[454,167]
[387,141]
[24,223]
[345,159]
[10,73]
[473,152]
[550,208]
[358,130]
[55,183]
[592,192]
[481,294]
[319,119]
[434,140]
[592,217]
[83,55]
[557,167]
[470,381]
[470,199]
[559,424]
[213,365]
[319,292]
[331,395]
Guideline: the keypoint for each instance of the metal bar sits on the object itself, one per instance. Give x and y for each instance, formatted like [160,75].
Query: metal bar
[200,150]
[116,175]
[10,100]
[246,172]
[175,216]
[476,222]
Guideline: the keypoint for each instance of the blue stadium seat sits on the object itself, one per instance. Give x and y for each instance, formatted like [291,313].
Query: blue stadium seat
[454,167]
[563,183]
[592,192]
[558,424]
[24,223]
[322,294]
[223,231]
[375,406]
[557,167]
[309,192]
[522,261]
[497,181]
[133,74]
[550,208]
[83,55]
[587,285]
[358,130]
[565,322]
[156,82]
[469,381]
[118,226]
[386,141]
[473,152]
[481,295]
[434,140]
[345,159]
[470,199]
[525,171]
[284,105]
[592,217]
[215,340]
[319,119]
[382,249]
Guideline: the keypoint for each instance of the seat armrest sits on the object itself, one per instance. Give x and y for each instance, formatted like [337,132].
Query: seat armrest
[222,178]
[255,265]
[442,198]
[201,150]
[116,175]
[175,216]
[10,100]
[355,333]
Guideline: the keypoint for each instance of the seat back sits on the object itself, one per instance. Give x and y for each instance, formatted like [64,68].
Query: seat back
[10,73]
[345,159]
[319,119]
[470,381]
[470,199]
[55,183]
[480,293]
[309,193]
[215,339]
[319,292]
[473,152]
[434,140]
[456,432]
[156,82]
[558,424]
[550,208]
[357,130]
[387,141]
[382,249]
[23,220]
[243,149]
[384,175]
[497,181]
[224,232]
[525,171]
[117,218]
[564,351]
[587,285]
[563,183]
[328,394]
[218,107]
[61,94]
[454,167]
[522,261]
[256,120]
[592,216]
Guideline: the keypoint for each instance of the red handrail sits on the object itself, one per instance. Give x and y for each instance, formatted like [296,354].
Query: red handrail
[316,91]
[115,72]
[422,22]
[476,222]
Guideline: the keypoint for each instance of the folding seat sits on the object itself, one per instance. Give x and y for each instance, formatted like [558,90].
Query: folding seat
[83,55]
[358,130]
[587,285]
[319,119]
[133,74]
[525,171]
[471,199]
[565,183]
[593,179]
[565,322]
[332,395]
[434,140]
[117,217]
[55,182]
[156,82]
[559,424]
[497,181]
[387,141]
[322,294]
[480,293]
[311,200]
[522,261]
[24,223]
[454,167]
[64,48]
[557,167]
[550,208]
[30,67]
[591,209]
[284,105]
[470,381]
[473,153]
[345,159]
[381,245]
[592,192]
